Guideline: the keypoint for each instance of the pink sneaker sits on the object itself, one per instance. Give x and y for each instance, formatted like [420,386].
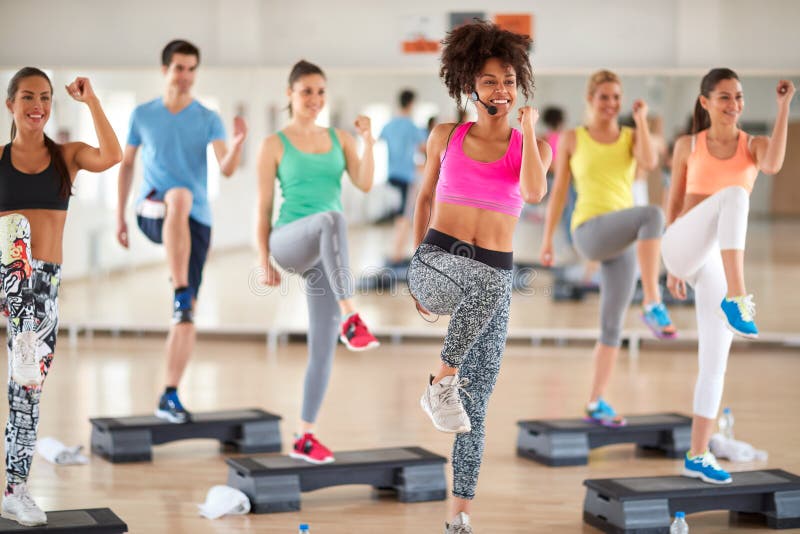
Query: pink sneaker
[312,451]
[355,335]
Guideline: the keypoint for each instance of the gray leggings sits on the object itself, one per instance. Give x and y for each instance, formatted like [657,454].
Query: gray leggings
[609,238]
[478,298]
[316,247]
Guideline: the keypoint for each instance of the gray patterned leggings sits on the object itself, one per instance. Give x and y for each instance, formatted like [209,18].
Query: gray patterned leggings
[31,289]
[477,297]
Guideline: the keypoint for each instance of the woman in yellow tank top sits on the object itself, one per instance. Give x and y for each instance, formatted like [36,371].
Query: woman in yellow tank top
[603,158]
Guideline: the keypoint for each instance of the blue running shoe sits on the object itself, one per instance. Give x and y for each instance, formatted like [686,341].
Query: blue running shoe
[182,306]
[738,314]
[706,468]
[656,317]
[170,409]
[604,414]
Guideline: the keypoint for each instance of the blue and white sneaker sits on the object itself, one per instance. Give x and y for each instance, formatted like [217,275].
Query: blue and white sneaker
[738,314]
[603,414]
[182,306]
[656,317]
[170,409]
[706,468]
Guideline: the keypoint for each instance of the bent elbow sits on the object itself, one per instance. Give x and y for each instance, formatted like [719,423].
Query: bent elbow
[534,197]
[770,169]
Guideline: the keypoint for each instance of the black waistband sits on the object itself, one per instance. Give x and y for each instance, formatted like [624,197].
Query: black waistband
[492,258]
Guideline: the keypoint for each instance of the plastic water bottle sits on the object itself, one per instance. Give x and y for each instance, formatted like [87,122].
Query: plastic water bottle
[679,525]
[726,423]
[304,529]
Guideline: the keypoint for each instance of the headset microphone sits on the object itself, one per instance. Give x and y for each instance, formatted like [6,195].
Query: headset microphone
[490,109]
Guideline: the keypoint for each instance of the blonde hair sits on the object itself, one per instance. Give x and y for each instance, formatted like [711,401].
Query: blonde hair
[600,77]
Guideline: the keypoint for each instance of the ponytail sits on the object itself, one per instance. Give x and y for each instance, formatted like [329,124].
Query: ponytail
[57,157]
[700,118]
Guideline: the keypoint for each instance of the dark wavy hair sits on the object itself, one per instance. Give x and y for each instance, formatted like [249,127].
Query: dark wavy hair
[53,148]
[468,47]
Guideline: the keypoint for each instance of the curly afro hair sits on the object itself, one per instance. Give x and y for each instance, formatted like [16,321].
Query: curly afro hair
[468,47]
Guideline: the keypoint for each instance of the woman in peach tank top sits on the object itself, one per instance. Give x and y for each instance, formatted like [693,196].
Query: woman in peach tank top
[714,170]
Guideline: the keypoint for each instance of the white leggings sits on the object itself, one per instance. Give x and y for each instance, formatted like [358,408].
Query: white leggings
[691,250]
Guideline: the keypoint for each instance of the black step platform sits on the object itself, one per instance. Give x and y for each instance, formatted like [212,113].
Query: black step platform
[273,484]
[130,439]
[561,442]
[645,505]
[91,521]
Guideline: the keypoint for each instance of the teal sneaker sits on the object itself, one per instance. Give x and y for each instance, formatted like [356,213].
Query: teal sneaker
[706,468]
[656,317]
[603,414]
[738,314]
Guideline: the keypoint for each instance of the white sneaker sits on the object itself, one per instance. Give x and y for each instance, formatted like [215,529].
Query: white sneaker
[20,507]
[442,403]
[460,525]
[24,360]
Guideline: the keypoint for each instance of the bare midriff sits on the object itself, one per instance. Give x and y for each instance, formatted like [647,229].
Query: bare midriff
[484,228]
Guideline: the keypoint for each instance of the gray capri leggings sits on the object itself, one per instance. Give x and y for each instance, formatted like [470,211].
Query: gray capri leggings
[478,298]
[316,247]
[609,239]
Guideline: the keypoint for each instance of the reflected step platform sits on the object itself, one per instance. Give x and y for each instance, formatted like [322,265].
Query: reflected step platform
[273,484]
[562,442]
[130,439]
[645,505]
[91,521]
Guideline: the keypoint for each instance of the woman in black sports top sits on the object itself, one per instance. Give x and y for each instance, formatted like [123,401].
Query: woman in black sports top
[36,177]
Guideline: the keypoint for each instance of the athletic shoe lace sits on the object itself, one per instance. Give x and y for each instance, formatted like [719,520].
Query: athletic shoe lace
[21,492]
[315,444]
[660,313]
[709,460]
[747,307]
[450,395]
[460,529]
[359,328]
[175,403]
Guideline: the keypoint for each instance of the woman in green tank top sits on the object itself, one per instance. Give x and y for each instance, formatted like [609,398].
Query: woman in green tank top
[309,236]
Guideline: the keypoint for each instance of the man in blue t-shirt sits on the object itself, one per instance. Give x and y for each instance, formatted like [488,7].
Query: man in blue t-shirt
[172,207]
[403,140]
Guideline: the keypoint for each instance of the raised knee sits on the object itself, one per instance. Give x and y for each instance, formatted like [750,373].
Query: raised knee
[335,219]
[736,194]
[179,200]
[654,222]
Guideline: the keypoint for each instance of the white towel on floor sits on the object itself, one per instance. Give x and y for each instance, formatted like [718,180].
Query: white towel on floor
[734,450]
[223,500]
[56,452]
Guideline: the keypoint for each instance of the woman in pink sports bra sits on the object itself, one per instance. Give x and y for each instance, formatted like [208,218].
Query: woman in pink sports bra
[714,170]
[476,180]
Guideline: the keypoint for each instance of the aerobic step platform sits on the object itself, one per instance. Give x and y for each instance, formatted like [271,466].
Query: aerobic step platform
[273,484]
[92,521]
[130,439]
[561,442]
[645,505]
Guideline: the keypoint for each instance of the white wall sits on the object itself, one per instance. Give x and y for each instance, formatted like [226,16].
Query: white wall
[660,47]
[569,34]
